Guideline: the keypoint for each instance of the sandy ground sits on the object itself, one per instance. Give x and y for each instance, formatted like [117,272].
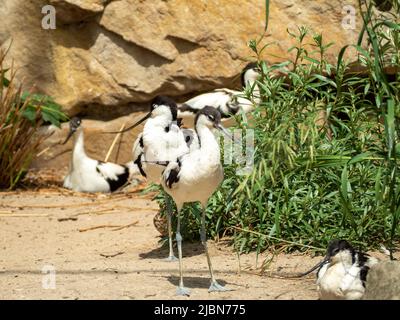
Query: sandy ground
[45,229]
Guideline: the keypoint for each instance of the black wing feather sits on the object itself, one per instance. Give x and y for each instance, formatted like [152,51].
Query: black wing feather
[138,162]
[173,176]
[362,260]
[141,143]
[122,178]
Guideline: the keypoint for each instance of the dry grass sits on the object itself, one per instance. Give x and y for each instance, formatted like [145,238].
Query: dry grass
[18,139]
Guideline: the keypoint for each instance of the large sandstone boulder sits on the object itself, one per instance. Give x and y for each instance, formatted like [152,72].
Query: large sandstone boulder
[108,58]
[113,53]
[383,282]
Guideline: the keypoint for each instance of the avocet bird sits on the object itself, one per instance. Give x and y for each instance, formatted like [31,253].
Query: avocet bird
[140,161]
[161,140]
[90,175]
[228,102]
[190,138]
[343,272]
[194,177]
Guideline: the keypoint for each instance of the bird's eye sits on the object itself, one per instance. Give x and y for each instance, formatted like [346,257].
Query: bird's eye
[211,118]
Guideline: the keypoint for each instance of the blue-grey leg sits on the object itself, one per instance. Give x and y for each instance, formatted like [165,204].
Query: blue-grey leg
[215,286]
[181,290]
[171,256]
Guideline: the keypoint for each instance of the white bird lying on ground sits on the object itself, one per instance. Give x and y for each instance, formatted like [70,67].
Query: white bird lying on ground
[342,274]
[228,102]
[194,177]
[90,175]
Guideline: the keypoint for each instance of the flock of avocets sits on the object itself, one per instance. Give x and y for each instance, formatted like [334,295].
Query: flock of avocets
[186,163]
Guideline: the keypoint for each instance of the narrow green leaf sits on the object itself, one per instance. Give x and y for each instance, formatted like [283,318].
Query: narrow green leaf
[266,14]
[390,127]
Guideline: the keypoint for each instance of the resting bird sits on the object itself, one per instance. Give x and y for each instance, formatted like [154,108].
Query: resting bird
[343,272]
[194,177]
[90,175]
[228,102]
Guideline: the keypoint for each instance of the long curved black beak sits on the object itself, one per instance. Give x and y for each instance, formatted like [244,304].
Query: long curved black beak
[71,132]
[132,126]
[227,133]
[318,265]
[221,128]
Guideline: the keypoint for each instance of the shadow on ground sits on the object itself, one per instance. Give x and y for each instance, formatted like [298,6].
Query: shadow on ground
[194,282]
[188,250]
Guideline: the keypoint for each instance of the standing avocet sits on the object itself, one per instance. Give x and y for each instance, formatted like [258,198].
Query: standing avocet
[161,140]
[194,177]
[90,175]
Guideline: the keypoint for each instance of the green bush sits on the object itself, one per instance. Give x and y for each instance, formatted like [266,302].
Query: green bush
[327,143]
[21,114]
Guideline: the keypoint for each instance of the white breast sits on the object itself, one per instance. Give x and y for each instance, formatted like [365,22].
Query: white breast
[160,145]
[340,282]
[200,172]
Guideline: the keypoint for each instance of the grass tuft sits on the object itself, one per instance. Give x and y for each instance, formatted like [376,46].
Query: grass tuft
[327,149]
[21,114]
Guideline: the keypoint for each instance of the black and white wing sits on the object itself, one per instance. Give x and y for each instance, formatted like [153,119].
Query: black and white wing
[365,262]
[224,100]
[116,175]
[171,173]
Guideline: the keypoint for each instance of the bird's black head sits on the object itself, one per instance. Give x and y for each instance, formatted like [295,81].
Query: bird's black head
[251,70]
[165,101]
[251,65]
[335,246]
[160,105]
[74,124]
[209,116]
[340,250]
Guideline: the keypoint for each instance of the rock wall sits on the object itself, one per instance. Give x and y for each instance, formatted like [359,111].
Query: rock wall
[116,53]
[107,58]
